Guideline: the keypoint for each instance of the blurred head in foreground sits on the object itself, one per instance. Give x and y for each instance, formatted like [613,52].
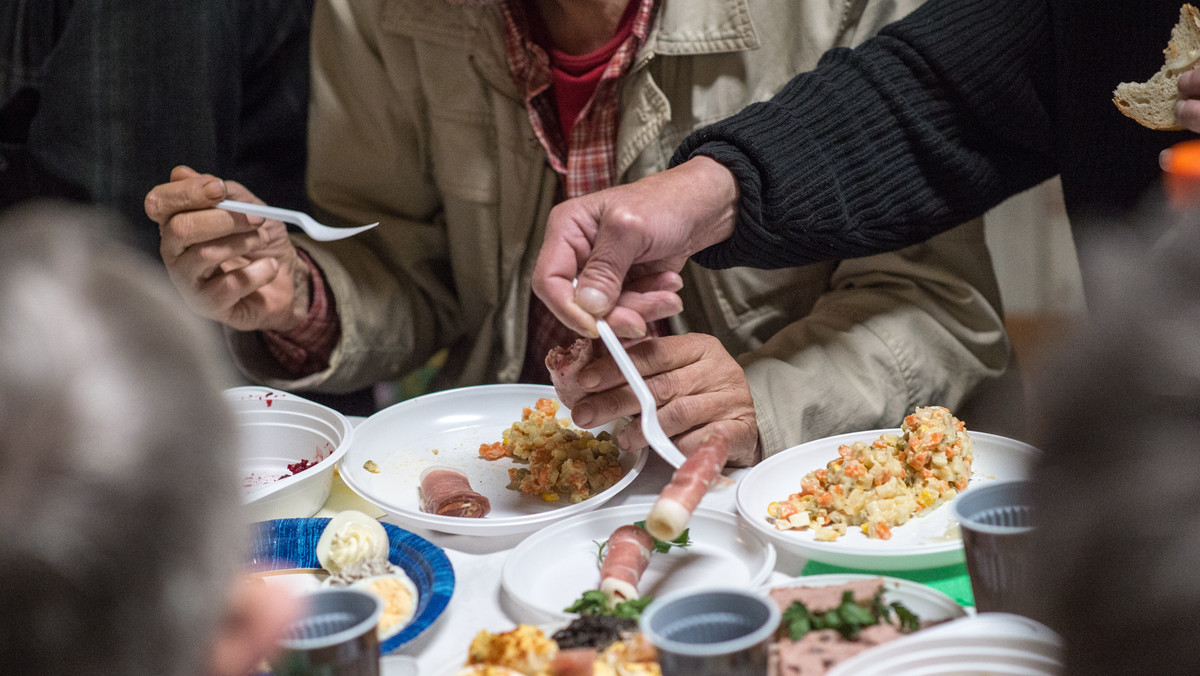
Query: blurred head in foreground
[119,538]
[1119,499]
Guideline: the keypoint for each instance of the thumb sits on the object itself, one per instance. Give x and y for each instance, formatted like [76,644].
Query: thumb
[599,282]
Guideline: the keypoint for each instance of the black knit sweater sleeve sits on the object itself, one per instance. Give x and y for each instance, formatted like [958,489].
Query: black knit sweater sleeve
[939,117]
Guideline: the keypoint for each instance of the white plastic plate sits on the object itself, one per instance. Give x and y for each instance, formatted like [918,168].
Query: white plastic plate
[550,569]
[446,428]
[924,542]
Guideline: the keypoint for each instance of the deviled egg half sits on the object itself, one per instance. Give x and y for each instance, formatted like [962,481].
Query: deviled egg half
[353,548]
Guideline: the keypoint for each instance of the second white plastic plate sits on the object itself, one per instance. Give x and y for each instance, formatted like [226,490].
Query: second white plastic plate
[553,567]
[924,542]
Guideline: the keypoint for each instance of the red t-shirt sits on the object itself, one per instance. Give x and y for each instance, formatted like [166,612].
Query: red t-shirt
[575,76]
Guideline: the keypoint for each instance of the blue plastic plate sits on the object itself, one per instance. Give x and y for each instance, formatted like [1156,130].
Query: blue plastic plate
[286,544]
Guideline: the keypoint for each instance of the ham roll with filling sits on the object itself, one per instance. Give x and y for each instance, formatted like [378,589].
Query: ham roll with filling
[628,554]
[564,364]
[445,491]
[673,509]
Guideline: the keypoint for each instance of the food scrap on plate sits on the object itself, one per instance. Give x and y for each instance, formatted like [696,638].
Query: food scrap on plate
[353,548]
[563,462]
[884,484]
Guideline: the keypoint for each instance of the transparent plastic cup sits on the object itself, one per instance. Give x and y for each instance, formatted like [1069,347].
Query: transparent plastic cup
[997,532]
[711,632]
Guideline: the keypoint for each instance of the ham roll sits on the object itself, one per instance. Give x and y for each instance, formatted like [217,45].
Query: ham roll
[445,491]
[574,662]
[673,509]
[564,364]
[628,554]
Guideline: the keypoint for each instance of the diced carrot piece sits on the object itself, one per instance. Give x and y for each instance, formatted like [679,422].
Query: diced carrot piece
[494,451]
[547,406]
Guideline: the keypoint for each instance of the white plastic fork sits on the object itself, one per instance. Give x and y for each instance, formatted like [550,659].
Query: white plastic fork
[651,428]
[318,231]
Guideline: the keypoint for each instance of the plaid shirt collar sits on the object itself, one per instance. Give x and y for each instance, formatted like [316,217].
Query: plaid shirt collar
[588,160]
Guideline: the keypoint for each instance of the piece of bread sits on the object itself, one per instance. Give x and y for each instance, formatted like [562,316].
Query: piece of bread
[1152,103]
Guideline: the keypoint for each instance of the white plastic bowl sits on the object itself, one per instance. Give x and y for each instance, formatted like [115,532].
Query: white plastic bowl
[277,429]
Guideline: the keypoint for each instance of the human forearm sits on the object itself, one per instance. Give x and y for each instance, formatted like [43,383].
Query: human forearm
[914,132]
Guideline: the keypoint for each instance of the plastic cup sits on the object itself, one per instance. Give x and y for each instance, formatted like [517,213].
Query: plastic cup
[711,632]
[335,637]
[997,532]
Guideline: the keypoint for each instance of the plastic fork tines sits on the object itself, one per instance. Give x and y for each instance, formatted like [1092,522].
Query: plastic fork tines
[655,436]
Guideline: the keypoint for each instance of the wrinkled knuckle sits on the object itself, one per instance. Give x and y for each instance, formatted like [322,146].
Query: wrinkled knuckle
[665,386]
[209,254]
[153,206]
[625,220]
[688,411]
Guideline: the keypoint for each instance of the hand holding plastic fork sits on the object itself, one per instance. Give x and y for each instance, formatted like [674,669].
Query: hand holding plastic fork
[318,231]
[651,428]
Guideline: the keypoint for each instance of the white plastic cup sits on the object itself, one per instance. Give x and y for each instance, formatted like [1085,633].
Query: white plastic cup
[335,637]
[711,632]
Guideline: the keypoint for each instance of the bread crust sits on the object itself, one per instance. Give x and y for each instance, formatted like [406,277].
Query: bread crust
[1152,103]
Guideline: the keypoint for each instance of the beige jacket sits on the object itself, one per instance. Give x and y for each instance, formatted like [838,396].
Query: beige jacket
[416,122]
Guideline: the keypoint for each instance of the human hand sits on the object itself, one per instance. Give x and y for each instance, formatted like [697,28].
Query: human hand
[700,389]
[626,246]
[1187,109]
[239,270]
[256,619]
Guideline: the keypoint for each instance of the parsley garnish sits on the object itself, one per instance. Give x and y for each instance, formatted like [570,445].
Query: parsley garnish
[662,546]
[849,618]
[595,602]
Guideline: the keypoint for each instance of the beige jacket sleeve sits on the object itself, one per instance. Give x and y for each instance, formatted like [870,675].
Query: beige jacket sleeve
[917,327]
[400,296]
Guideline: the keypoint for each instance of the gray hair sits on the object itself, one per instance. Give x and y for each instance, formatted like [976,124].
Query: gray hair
[118,532]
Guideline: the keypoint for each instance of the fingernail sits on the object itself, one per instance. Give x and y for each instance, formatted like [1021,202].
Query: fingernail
[588,379]
[591,299]
[633,332]
[582,415]
[214,189]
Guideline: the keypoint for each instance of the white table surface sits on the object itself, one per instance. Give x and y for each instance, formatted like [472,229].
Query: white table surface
[478,603]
